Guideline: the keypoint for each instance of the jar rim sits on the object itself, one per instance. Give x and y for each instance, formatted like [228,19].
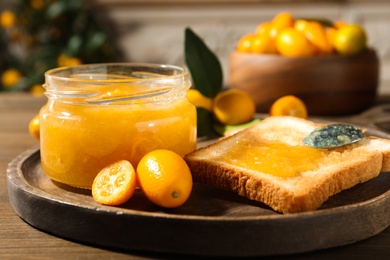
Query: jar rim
[74,73]
[111,83]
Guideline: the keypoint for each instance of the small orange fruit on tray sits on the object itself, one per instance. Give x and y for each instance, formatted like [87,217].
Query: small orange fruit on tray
[164,178]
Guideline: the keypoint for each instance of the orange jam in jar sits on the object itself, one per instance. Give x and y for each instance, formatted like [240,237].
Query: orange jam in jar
[101,113]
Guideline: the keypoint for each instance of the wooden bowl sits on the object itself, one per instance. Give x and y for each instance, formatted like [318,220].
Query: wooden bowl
[329,85]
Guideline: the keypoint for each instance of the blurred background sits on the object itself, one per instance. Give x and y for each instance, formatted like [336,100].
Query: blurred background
[37,35]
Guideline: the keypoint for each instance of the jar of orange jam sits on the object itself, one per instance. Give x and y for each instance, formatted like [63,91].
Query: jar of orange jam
[101,113]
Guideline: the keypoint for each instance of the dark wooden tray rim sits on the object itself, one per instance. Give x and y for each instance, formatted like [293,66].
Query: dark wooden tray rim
[211,223]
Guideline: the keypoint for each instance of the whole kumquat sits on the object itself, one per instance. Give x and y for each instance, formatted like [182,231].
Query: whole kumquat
[289,106]
[300,25]
[245,43]
[164,178]
[331,35]
[37,90]
[264,28]
[292,43]
[7,19]
[263,44]
[280,22]
[34,127]
[10,77]
[338,24]
[316,34]
[350,39]
[115,184]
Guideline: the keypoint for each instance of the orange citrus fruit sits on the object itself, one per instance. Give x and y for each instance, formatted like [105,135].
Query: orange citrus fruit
[64,60]
[37,4]
[245,43]
[37,90]
[10,77]
[338,24]
[289,106]
[7,19]
[331,35]
[198,99]
[301,25]
[233,107]
[264,28]
[280,22]
[34,127]
[263,44]
[350,39]
[292,43]
[165,178]
[316,34]
[115,184]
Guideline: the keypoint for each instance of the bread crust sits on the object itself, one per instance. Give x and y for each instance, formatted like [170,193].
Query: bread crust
[305,192]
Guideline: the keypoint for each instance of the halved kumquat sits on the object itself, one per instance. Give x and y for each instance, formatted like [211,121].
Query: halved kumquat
[114,184]
[234,107]
[289,106]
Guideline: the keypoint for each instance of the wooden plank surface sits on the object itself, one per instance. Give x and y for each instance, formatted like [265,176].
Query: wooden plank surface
[18,240]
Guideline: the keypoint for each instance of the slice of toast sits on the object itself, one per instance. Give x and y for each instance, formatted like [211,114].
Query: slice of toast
[296,183]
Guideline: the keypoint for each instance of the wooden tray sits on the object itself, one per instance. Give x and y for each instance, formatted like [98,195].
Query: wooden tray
[211,223]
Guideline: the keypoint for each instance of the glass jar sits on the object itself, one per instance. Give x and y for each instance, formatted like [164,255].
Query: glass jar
[101,113]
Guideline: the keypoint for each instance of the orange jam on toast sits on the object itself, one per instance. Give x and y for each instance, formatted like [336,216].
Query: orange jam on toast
[278,159]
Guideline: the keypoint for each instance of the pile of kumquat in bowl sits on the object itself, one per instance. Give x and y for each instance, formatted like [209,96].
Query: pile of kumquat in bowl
[327,64]
[300,37]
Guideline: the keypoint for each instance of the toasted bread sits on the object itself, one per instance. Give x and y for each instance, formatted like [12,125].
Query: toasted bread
[306,189]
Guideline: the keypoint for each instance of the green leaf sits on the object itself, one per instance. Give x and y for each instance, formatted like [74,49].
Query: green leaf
[204,122]
[325,22]
[222,129]
[203,64]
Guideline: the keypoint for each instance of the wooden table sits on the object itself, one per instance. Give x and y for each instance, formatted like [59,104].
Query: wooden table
[18,240]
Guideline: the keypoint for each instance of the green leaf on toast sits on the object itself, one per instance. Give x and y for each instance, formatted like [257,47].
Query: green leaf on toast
[333,135]
[203,64]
